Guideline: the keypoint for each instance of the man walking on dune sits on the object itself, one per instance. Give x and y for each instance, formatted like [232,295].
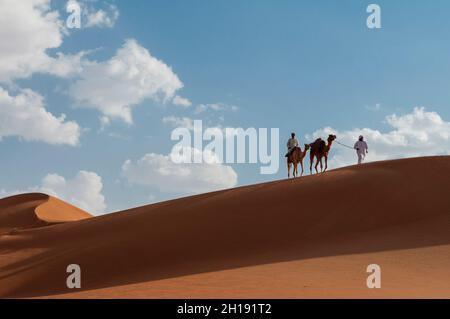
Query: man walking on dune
[361,149]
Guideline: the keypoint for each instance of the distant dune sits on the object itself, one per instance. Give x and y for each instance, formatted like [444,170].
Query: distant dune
[304,238]
[35,210]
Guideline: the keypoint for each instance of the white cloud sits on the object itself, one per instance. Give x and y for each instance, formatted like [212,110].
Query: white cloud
[93,17]
[28,29]
[161,172]
[419,133]
[83,191]
[104,122]
[65,65]
[131,76]
[181,101]
[102,18]
[215,107]
[24,116]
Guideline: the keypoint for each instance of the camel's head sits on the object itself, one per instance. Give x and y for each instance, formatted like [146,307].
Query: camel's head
[331,137]
[307,147]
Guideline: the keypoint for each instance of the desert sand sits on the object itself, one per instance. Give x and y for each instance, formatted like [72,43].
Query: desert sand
[309,237]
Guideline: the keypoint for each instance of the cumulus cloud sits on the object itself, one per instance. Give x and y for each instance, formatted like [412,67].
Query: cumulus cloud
[65,65]
[113,87]
[161,172]
[92,17]
[419,133]
[181,101]
[83,191]
[28,29]
[102,18]
[24,115]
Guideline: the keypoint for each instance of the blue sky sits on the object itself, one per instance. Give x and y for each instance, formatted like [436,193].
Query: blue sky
[306,66]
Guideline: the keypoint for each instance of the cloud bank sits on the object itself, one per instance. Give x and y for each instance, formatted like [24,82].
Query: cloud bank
[419,133]
[161,172]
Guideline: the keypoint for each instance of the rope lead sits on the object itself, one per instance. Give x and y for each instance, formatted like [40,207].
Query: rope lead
[344,145]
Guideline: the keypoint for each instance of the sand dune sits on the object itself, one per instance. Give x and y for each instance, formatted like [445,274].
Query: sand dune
[35,210]
[308,237]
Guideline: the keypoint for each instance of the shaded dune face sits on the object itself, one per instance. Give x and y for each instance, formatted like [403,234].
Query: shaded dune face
[383,206]
[35,210]
[18,212]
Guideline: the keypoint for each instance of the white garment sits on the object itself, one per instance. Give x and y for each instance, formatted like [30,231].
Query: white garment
[361,149]
[361,158]
[293,142]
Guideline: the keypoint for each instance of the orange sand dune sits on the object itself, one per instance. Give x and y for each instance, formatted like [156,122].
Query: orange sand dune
[308,237]
[35,210]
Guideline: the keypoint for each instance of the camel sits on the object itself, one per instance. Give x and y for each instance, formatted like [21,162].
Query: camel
[296,156]
[319,150]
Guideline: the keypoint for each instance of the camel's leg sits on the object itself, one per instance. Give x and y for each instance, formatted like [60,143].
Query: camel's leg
[296,169]
[326,163]
[311,161]
[317,164]
[321,165]
[301,164]
[289,169]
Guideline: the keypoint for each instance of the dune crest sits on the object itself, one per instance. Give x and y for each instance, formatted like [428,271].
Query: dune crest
[36,210]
